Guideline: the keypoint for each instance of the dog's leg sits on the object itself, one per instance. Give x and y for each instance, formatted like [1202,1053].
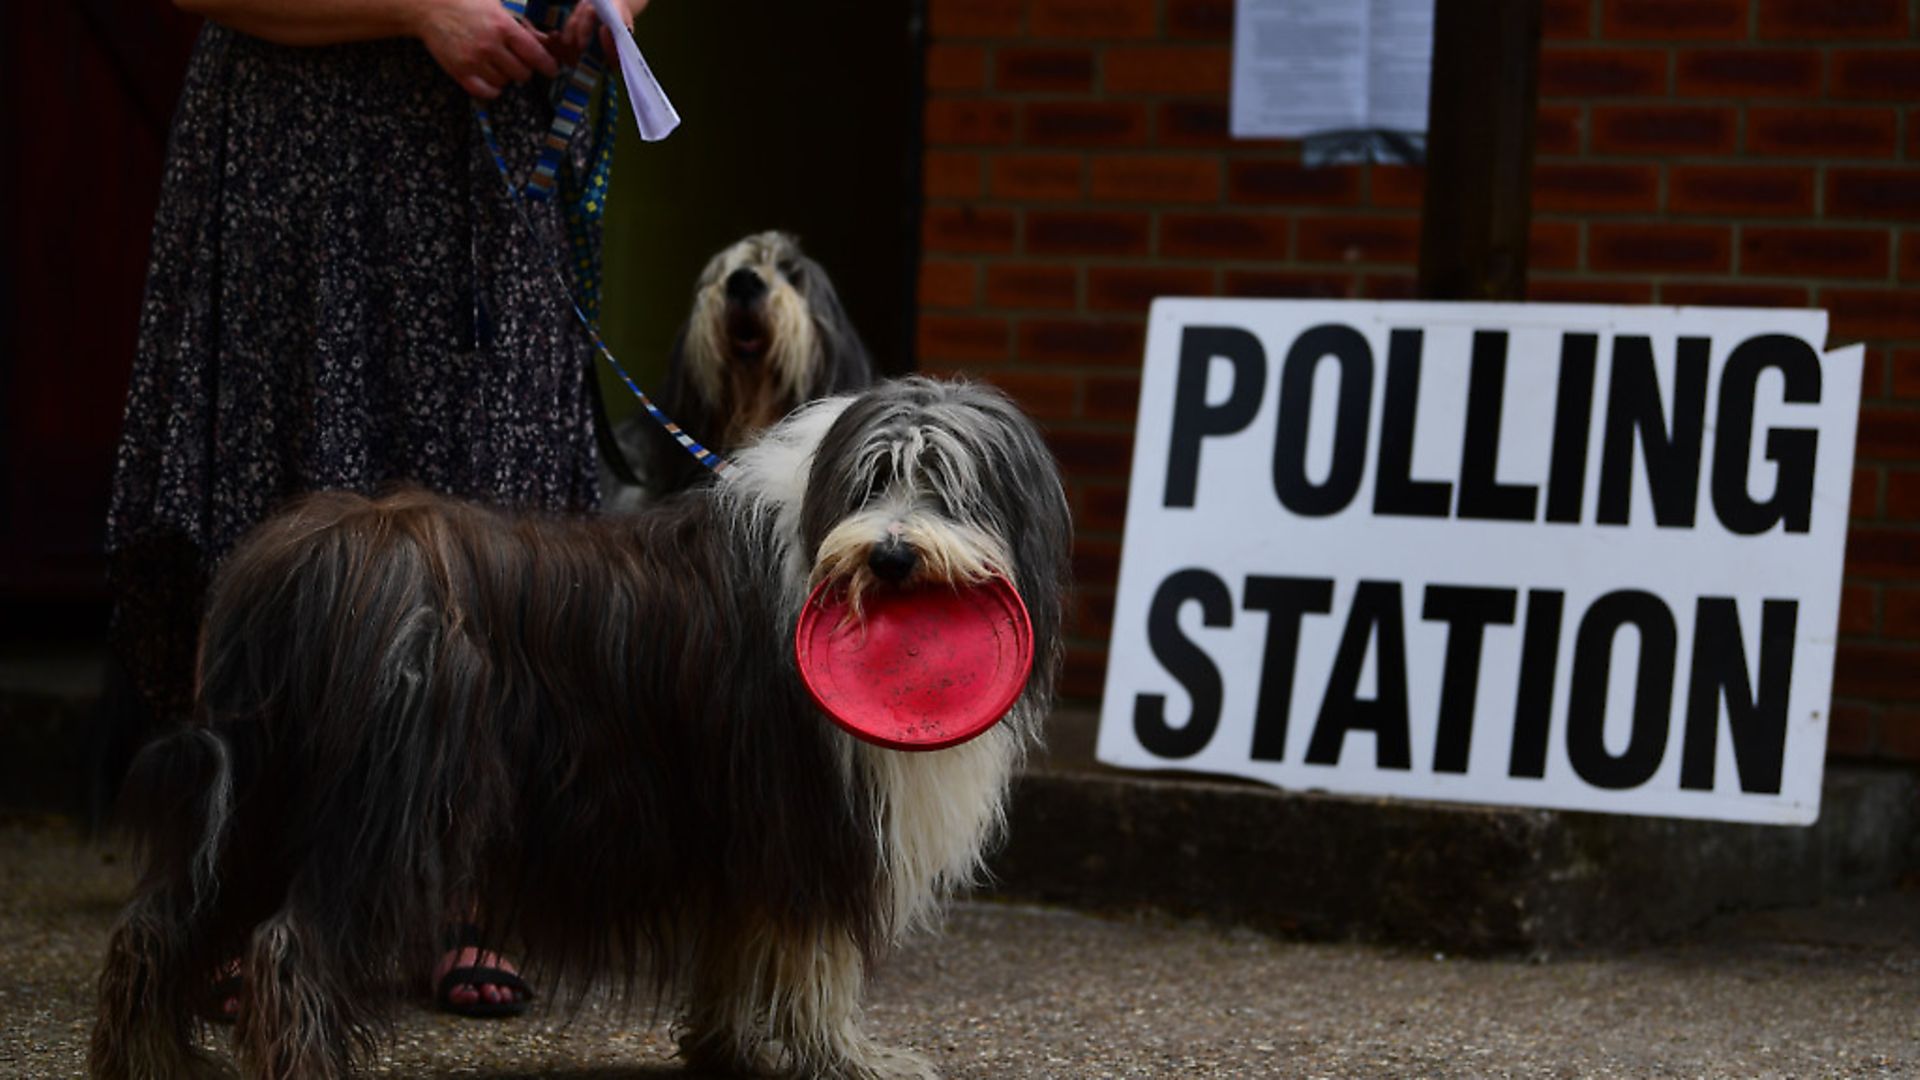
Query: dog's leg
[146,1028]
[789,999]
[293,1022]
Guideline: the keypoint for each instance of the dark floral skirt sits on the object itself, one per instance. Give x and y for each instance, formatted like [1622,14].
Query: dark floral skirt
[339,296]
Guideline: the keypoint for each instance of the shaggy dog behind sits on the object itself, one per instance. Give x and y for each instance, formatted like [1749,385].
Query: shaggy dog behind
[596,728]
[766,335]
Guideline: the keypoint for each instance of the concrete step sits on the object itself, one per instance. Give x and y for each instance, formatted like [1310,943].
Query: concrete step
[1465,879]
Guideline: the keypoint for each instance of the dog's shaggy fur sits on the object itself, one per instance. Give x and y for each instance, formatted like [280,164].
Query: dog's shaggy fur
[595,729]
[767,334]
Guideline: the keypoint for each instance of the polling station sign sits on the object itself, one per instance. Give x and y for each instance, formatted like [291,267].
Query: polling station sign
[1569,556]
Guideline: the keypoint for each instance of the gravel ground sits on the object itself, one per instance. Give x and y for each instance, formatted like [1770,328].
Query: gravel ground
[1016,992]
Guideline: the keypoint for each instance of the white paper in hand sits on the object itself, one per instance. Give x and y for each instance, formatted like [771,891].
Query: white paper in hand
[653,114]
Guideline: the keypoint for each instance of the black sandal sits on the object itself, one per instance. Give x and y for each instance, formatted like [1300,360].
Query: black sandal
[467,936]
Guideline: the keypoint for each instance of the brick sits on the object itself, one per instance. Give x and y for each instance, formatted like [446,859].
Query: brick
[1903,498]
[1168,69]
[1873,374]
[1059,70]
[1562,20]
[1590,73]
[1094,560]
[1154,178]
[1902,620]
[1113,397]
[1741,190]
[1876,672]
[1083,671]
[1223,236]
[969,122]
[966,229]
[1801,20]
[1595,187]
[1888,433]
[956,67]
[1290,284]
[949,174]
[1735,293]
[1662,247]
[1194,123]
[977,18]
[1910,255]
[1557,129]
[1852,730]
[1900,735]
[1905,380]
[1047,396]
[1133,288]
[1036,176]
[1663,129]
[1859,613]
[1212,19]
[971,339]
[1389,287]
[1399,187]
[1827,133]
[1087,232]
[1090,123]
[1290,183]
[1873,193]
[1864,499]
[1814,252]
[1674,20]
[1572,290]
[1876,74]
[1876,552]
[1103,507]
[1021,285]
[1351,240]
[1553,245]
[1082,343]
[1094,18]
[949,284]
[1747,73]
[1867,314]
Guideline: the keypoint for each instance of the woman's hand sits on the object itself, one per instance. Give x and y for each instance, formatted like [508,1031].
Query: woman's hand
[572,39]
[484,48]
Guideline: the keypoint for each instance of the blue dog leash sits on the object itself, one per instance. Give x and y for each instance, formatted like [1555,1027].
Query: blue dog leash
[584,202]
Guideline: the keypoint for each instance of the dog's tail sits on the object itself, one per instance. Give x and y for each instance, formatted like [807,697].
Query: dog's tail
[177,805]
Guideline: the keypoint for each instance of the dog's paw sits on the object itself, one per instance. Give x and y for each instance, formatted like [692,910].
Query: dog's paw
[875,1062]
[706,1051]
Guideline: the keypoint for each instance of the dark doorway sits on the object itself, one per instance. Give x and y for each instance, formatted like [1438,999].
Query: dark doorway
[803,117]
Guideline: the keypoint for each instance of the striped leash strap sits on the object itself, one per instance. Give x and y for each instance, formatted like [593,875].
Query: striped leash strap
[656,118]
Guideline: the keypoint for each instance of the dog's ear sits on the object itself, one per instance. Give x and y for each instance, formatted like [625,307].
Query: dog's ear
[846,367]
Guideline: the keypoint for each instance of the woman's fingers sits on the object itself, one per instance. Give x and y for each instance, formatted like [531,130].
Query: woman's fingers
[478,87]
[528,52]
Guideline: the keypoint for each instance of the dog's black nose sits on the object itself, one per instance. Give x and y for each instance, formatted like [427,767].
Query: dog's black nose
[892,560]
[745,286]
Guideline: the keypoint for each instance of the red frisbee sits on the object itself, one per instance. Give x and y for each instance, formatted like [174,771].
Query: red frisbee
[923,670]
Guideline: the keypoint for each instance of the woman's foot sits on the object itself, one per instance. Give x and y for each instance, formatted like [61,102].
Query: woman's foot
[226,993]
[472,981]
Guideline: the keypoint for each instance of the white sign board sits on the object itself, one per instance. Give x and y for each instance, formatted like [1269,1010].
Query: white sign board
[1301,67]
[1570,556]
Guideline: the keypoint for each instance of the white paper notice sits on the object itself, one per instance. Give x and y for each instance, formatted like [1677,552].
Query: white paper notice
[1306,66]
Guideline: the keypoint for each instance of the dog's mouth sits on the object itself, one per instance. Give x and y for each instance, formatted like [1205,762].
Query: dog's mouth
[746,332]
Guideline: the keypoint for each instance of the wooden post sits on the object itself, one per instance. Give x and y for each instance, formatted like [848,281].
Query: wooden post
[1479,191]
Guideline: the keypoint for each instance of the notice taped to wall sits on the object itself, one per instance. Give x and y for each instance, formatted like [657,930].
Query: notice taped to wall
[1303,67]
[1569,556]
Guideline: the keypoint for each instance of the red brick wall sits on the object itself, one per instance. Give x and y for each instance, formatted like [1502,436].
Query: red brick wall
[1753,152]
